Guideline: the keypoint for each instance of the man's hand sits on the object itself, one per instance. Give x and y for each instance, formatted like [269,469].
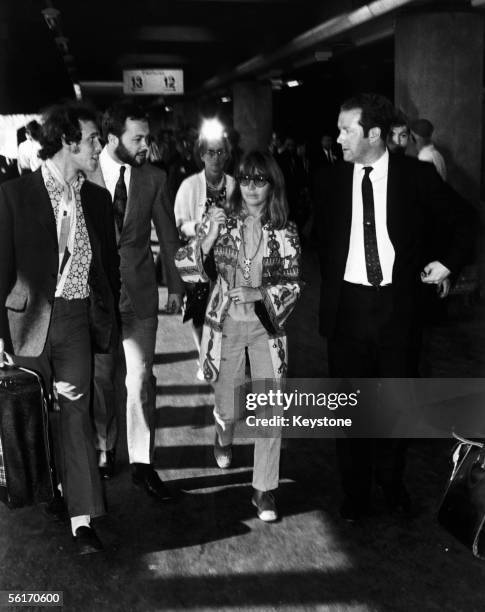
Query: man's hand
[434,273]
[174,303]
[2,348]
[443,288]
[244,295]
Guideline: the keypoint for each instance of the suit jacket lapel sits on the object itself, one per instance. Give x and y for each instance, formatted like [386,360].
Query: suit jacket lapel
[93,238]
[135,193]
[44,211]
[346,191]
[393,192]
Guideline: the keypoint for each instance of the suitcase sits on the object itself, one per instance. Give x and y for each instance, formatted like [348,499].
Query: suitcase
[26,469]
[462,511]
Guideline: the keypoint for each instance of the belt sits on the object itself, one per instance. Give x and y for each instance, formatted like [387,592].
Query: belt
[368,287]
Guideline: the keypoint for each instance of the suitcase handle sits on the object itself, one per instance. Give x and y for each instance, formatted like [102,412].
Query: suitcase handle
[8,359]
[9,362]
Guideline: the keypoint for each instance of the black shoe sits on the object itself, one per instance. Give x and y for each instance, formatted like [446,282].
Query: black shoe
[265,506]
[56,510]
[106,463]
[87,542]
[148,479]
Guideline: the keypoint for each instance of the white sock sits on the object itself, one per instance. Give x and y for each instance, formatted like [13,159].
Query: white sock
[83,520]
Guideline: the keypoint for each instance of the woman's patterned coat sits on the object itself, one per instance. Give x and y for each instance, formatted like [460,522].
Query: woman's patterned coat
[280,288]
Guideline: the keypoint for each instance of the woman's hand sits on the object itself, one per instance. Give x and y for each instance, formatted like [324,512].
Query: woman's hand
[244,295]
[217,218]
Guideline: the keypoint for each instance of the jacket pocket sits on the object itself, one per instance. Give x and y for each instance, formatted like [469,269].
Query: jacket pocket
[16,301]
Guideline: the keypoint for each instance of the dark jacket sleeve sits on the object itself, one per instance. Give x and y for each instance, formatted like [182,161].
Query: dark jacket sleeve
[111,256]
[451,220]
[164,221]
[7,260]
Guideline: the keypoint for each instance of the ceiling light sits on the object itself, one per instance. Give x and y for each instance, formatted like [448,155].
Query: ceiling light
[225,99]
[293,83]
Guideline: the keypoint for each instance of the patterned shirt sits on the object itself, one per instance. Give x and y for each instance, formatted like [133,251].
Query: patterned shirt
[76,281]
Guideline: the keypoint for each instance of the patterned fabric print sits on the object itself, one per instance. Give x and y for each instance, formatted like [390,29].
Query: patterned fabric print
[3,476]
[280,365]
[76,286]
[280,287]
[214,197]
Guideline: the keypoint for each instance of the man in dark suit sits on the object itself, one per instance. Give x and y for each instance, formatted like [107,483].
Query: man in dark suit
[59,283]
[389,225]
[140,196]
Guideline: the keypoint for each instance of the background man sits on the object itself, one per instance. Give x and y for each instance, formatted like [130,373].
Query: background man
[389,222]
[140,196]
[28,152]
[58,260]
[421,131]
[398,135]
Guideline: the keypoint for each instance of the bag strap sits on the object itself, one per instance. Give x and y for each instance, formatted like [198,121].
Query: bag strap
[458,448]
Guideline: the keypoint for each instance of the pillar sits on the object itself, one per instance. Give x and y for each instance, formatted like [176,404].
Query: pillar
[439,76]
[5,106]
[253,113]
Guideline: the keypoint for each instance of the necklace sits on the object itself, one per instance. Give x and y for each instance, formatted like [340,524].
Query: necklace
[217,186]
[246,271]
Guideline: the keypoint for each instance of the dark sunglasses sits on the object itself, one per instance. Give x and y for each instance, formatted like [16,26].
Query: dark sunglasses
[259,180]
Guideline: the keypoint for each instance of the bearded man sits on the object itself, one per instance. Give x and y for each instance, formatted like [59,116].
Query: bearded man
[140,196]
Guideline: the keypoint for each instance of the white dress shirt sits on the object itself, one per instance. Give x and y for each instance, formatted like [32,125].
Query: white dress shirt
[430,154]
[355,270]
[111,172]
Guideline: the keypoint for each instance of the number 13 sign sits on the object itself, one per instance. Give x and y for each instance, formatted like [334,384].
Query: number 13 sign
[153,81]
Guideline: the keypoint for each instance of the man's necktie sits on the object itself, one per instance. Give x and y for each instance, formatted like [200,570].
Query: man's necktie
[372,263]
[119,200]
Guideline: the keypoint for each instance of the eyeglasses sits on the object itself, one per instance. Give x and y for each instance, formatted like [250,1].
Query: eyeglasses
[215,153]
[259,180]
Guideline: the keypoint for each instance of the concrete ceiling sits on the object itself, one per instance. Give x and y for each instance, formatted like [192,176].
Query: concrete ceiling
[215,42]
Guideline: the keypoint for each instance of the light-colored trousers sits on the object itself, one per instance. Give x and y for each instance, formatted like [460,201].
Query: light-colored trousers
[138,337]
[236,337]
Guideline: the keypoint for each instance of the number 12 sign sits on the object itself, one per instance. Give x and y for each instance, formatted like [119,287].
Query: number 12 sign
[153,81]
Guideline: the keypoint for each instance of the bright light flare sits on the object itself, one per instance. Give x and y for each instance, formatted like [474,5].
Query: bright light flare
[212,129]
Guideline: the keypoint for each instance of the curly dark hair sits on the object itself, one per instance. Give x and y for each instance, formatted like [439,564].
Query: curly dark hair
[115,117]
[61,122]
[377,111]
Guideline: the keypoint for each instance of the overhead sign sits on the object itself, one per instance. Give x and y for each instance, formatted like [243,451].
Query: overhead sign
[153,81]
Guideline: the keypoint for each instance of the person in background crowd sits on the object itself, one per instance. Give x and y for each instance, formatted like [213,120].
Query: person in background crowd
[59,285]
[28,158]
[294,175]
[421,132]
[197,193]
[183,164]
[140,196]
[8,169]
[399,133]
[255,256]
[389,224]
[327,154]
[275,146]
